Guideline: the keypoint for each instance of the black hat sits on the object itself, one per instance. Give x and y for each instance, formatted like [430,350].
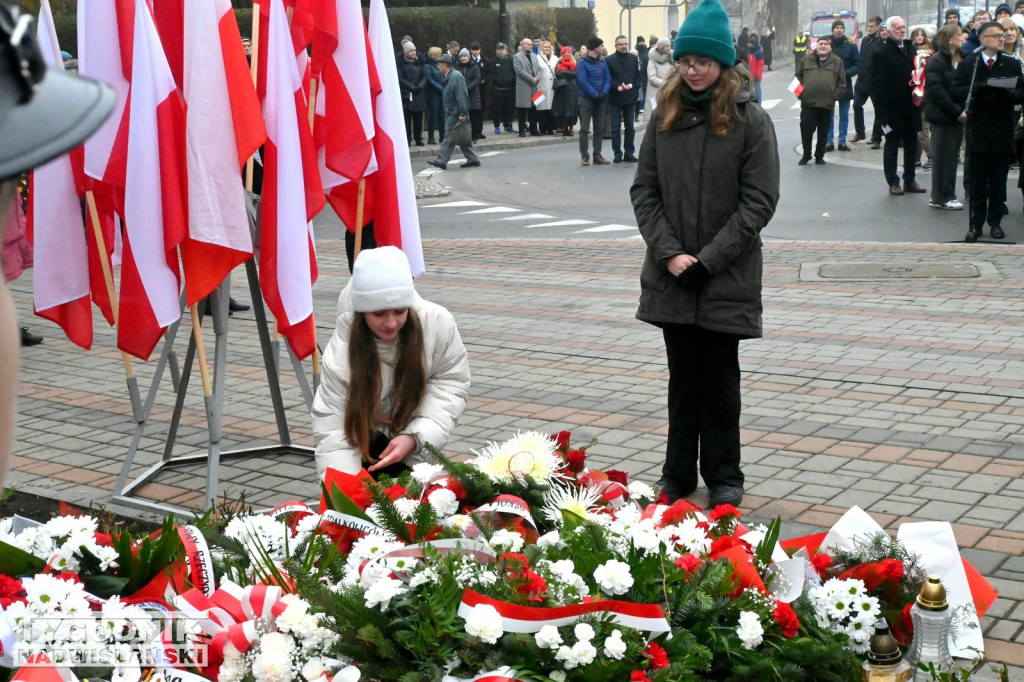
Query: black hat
[44,111]
[503,46]
[593,43]
[955,13]
[839,23]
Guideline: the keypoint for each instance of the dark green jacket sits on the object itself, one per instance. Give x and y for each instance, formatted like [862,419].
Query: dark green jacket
[824,80]
[709,196]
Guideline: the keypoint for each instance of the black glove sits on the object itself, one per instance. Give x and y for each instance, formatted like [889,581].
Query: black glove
[694,276]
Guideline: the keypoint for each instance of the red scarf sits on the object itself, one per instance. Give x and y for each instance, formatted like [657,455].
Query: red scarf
[566,63]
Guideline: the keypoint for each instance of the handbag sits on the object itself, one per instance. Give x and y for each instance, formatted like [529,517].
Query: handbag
[462,134]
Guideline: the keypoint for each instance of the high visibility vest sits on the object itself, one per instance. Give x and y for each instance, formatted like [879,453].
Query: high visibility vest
[800,44]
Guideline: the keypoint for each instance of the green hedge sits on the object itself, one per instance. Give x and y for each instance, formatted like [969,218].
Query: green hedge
[436,26]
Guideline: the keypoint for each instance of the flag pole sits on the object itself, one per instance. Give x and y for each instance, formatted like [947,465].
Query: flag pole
[108,278]
[360,201]
[197,331]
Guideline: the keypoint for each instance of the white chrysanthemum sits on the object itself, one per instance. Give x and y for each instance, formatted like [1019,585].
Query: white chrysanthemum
[107,556]
[529,453]
[615,646]
[35,541]
[63,526]
[577,500]
[614,577]
[64,560]
[584,632]
[259,533]
[506,539]
[424,471]
[548,637]
[866,608]
[383,591]
[444,502]
[46,593]
[644,536]
[688,537]
[638,490]
[484,623]
[750,631]
[370,546]
[407,508]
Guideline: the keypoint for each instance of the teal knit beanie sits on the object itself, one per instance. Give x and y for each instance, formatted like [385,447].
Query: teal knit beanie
[706,33]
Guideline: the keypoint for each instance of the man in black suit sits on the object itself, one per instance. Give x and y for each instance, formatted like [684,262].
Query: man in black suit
[891,65]
[996,77]
[863,87]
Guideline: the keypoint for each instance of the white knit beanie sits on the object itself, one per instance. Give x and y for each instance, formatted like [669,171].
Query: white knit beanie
[382,280]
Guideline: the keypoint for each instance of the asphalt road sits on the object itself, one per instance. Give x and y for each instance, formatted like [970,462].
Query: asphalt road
[543,192]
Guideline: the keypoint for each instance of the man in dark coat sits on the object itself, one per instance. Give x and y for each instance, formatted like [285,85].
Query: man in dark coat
[412,80]
[822,76]
[471,72]
[485,82]
[625,72]
[862,90]
[642,51]
[847,51]
[990,122]
[503,89]
[456,109]
[891,66]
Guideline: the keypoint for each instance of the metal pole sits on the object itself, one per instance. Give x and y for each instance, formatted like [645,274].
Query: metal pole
[503,21]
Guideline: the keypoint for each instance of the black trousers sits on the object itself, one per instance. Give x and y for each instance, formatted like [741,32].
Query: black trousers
[414,125]
[890,154]
[503,106]
[988,188]
[703,407]
[813,119]
[527,113]
[476,123]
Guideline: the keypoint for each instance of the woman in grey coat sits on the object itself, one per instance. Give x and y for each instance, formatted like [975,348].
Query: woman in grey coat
[706,184]
[659,67]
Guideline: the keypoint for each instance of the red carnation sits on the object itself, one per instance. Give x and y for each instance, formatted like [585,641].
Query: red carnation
[821,562]
[456,487]
[395,492]
[719,545]
[657,656]
[688,562]
[722,511]
[11,591]
[677,512]
[663,499]
[562,439]
[787,619]
[616,476]
[637,676]
[575,460]
[890,569]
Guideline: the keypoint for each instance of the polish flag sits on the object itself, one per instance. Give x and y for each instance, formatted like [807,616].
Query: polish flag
[348,86]
[396,222]
[154,203]
[292,193]
[223,128]
[61,284]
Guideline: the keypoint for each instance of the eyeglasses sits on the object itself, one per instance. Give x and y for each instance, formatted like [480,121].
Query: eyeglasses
[999,36]
[699,67]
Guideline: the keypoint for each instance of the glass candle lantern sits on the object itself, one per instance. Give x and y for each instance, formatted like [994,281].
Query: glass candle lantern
[932,620]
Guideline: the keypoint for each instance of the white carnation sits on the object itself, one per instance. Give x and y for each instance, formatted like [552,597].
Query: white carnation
[750,631]
[484,623]
[615,646]
[444,502]
[424,471]
[614,577]
[382,592]
[548,637]
[639,490]
[584,632]
[313,669]
[273,663]
[407,508]
[550,539]
[583,653]
[504,538]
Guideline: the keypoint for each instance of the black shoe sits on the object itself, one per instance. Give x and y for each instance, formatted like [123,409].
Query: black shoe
[876,145]
[534,134]
[843,148]
[30,339]
[617,158]
[830,148]
[481,137]
[972,235]
[819,162]
[430,140]
[522,133]
[236,307]
[436,164]
[997,232]
[629,158]
[471,164]
[803,161]
[676,490]
[725,494]
[419,143]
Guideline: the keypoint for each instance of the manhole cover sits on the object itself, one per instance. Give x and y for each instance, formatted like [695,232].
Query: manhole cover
[818,272]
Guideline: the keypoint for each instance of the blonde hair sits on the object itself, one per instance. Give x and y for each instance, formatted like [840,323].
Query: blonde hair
[1007,22]
[434,52]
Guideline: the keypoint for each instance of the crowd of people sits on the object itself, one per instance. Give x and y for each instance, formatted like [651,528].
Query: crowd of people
[958,93]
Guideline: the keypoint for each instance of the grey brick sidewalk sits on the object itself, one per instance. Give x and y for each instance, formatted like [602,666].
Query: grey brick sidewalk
[905,397]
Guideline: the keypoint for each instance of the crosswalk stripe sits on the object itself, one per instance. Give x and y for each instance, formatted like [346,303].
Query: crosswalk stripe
[795,106]
[565,223]
[614,227]
[427,172]
[527,216]
[492,209]
[769,103]
[456,204]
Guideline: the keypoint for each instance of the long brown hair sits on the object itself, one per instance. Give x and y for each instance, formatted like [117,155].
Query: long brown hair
[723,99]
[364,388]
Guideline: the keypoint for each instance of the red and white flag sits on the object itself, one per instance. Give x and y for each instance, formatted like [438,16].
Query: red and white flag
[396,221]
[61,284]
[292,193]
[154,202]
[223,128]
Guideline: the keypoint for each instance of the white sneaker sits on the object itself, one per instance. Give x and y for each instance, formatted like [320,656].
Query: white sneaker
[951,205]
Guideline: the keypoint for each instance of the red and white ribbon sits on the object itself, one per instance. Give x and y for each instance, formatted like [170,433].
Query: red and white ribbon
[478,550]
[503,674]
[230,613]
[526,619]
[199,559]
[612,492]
[331,517]
[508,504]
[289,507]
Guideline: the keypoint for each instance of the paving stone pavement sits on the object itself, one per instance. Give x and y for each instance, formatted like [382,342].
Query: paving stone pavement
[905,397]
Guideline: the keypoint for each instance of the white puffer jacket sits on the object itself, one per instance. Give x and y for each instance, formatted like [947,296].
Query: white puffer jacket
[447,369]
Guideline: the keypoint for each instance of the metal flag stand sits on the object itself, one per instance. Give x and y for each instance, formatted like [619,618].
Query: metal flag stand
[214,402]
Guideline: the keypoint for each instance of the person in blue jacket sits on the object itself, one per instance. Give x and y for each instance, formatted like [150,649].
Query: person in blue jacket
[594,83]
